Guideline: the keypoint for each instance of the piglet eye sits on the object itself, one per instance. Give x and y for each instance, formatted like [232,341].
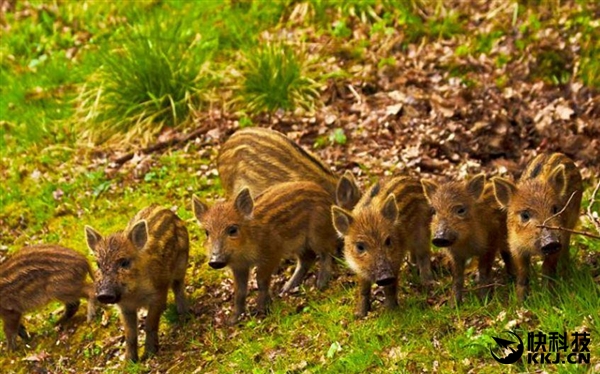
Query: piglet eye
[555,209]
[432,211]
[360,247]
[388,241]
[125,263]
[525,216]
[461,210]
[232,230]
[206,233]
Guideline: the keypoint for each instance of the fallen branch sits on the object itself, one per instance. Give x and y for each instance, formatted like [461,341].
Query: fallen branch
[560,228]
[162,145]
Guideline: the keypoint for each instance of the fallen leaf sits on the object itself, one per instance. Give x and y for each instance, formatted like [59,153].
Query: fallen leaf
[564,112]
[37,357]
[393,110]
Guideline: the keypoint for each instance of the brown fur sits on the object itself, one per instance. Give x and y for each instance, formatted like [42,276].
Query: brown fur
[468,221]
[37,275]
[543,190]
[287,219]
[136,267]
[258,158]
[385,224]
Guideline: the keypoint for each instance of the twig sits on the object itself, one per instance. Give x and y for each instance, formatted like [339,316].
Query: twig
[560,228]
[559,212]
[484,286]
[589,212]
[356,95]
[162,145]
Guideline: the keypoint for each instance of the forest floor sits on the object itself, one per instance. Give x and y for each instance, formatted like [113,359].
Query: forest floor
[433,89]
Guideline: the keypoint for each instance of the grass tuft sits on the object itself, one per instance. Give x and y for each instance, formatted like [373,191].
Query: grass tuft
[275,77]
[156,75]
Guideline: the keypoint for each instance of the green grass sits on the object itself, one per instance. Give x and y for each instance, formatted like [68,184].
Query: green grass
[274,77]
[313,330]
[162,63]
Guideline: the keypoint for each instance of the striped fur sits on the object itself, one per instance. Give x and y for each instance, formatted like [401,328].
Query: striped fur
[137,266]
[541,167]
[37,275]
[468,221]
[388,221]
[288,219]
[547,184]
[257,158]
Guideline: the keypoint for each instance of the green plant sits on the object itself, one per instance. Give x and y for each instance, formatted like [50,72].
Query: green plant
[386,61]
[340,30]
[155,76]
[275,77]
[444,27]
[553,66]
[245,122]
[586,27]
[338,136]
[484,42]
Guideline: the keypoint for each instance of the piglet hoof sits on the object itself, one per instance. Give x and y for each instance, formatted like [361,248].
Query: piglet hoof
[454,302]
[182,308]
[234,320]
[12,345]
[260,312]
[428,285]
[148,355]
[392,306]
[484,293]
[184,317]
[289,291]
[23,333]
[322,285]
[150,351]
[361,313]
[522,292]
[323,281]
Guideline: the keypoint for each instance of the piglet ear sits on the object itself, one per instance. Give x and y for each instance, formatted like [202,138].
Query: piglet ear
[503,191]
[199,208]
[475,186]
[347,192]
[558,180]
[341,220]
[244,202]
[92,238]
[139,234]
[390,208]
[429,188]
